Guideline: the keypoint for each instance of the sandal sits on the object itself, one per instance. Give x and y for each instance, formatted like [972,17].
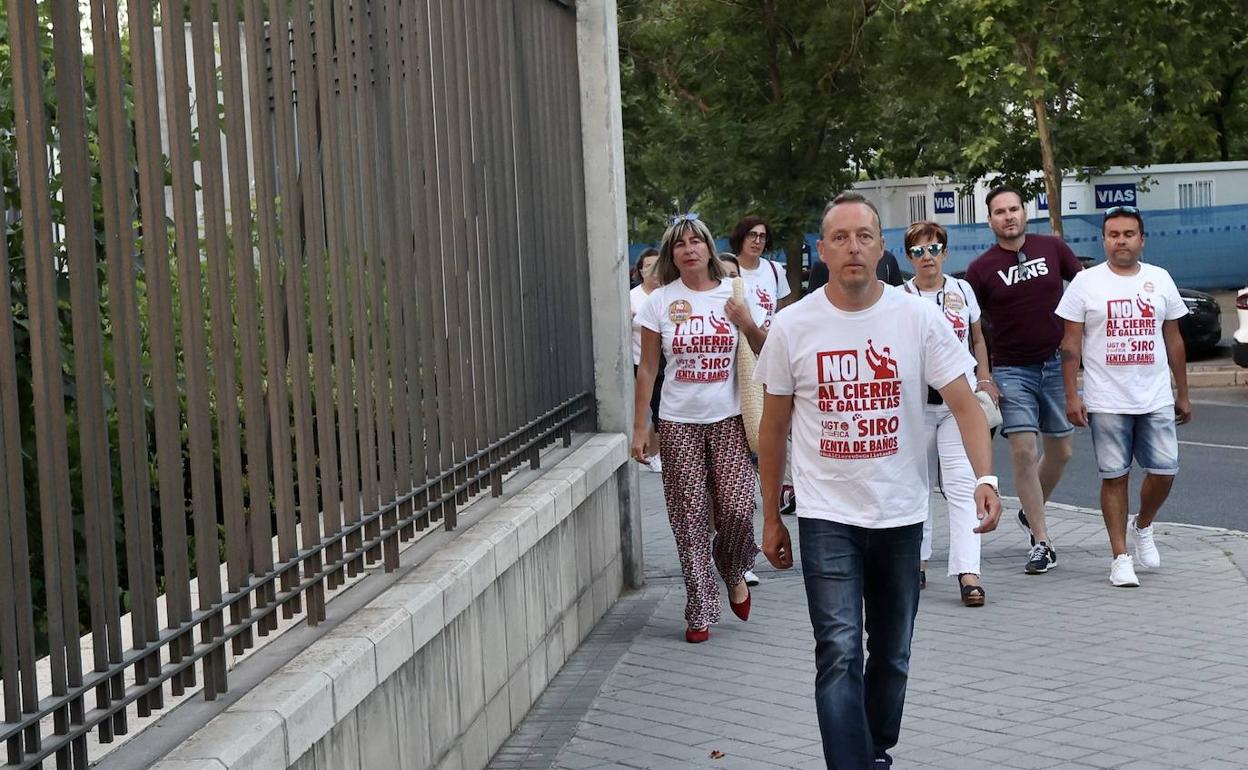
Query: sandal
[972,596]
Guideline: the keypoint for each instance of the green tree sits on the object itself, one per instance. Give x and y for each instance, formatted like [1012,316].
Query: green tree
[739,107]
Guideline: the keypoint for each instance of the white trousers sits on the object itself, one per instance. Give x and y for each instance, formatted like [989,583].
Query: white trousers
[946,454]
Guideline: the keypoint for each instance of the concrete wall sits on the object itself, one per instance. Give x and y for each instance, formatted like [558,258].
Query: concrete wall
[438,671]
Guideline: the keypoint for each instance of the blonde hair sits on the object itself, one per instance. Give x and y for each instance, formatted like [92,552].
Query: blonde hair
[665,269]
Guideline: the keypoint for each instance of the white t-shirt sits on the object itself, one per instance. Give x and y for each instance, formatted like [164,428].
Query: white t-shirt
[767,284]
[700,343]
[957,301]
[636,300]
[1124,353]
[859,381]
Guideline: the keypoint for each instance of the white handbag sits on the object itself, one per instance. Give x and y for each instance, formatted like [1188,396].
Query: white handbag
[991,411]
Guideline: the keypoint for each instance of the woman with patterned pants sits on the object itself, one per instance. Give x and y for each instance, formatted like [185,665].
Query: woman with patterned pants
[693,320]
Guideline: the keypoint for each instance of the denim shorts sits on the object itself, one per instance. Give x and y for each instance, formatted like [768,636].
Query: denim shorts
[1033,398]
[1150,438]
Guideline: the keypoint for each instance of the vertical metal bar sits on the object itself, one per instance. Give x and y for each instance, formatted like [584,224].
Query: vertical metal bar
[264,172]
[426,346]
[332,82]
[161,332]
[360,212]
[222,320]
[237,541]
[115,170]
[296,324]
[314,209]
[577,187]
[378,204]
[79,244]
[191,297]
[451,199]
[440,411]
[52,456]
[526,201]
[397,256]
[331,113]
[17,619]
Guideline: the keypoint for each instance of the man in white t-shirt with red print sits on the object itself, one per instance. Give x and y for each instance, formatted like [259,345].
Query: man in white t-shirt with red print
[1122,319]
[847,368]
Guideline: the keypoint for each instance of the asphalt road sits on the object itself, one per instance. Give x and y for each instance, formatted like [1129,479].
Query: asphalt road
[1212,485]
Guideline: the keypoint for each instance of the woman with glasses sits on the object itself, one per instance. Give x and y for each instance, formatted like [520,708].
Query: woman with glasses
[926,248]
[701,436]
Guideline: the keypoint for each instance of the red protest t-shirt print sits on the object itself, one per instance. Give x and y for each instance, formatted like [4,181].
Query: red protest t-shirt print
[861,393]
[703,345]
[1131,330]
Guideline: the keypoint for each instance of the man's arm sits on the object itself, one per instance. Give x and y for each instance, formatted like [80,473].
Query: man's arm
[1176,356]
[773,430]
[1072,353]
[974,429]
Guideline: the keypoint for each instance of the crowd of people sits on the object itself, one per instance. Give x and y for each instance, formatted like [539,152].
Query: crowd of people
[880,389]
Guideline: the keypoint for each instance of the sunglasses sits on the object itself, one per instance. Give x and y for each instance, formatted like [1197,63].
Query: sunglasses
[1113,211]
[931,248]
[692,216]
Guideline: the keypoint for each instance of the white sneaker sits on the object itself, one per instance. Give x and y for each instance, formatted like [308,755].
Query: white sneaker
[1122,572]
[655,464]
[750,578]
[1145,549]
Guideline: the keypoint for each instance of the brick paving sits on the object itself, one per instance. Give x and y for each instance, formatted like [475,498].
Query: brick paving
[1057,671]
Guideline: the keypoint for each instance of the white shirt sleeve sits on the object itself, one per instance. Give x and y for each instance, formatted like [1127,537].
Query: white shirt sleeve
[782,280]
[648,317]
[1175,306]
[774,370]
[945,358]
[1073,306]
[972,304]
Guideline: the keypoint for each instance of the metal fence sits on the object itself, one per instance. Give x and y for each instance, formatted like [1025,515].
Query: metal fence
[276,296]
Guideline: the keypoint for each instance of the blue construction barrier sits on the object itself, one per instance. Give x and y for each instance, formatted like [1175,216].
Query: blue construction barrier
[1205,248]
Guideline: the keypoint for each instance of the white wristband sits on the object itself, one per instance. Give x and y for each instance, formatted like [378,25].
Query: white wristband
[989,480]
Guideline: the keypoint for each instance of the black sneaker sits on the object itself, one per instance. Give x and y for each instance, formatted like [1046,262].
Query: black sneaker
[1025,526]
[788,501]
[1041,559]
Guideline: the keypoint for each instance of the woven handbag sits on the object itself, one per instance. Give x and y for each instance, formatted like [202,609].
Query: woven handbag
[751,392]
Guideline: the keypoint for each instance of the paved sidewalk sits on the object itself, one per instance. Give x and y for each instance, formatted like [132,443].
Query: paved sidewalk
[1057,671]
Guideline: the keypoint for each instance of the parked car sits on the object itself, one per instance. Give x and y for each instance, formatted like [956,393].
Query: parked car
[1202,326]
[1239,344]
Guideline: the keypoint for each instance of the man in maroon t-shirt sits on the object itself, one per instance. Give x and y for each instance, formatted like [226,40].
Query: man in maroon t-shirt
[1018,284]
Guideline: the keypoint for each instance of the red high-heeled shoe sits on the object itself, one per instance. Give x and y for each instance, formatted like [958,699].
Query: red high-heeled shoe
[741,609]
[697,636]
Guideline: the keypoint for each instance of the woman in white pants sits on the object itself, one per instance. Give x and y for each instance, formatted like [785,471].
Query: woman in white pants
[926,245]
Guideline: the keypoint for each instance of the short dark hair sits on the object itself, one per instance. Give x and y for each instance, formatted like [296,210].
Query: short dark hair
[1000,190]
[849,196]
[728,256]
[748,223]
[649,251]
[1122,211]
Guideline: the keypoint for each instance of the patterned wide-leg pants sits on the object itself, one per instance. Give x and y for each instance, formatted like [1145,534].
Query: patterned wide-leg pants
[701,462]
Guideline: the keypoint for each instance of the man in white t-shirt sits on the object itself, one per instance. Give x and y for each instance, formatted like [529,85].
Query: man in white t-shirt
[1122,319]
[848,367]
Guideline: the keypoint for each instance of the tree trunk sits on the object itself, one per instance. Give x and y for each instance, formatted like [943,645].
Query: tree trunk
[1052,180]
[793,265]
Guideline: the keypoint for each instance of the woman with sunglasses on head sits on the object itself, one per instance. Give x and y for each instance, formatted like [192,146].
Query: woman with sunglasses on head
[693,320]
[926,248]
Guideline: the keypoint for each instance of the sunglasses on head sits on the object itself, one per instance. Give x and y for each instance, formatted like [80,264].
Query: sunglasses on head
[692,216]
[1114,211]
[931,248]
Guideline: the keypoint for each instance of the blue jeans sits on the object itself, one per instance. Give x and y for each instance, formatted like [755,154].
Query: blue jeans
[1033,398]
[1149,439]
[847,569]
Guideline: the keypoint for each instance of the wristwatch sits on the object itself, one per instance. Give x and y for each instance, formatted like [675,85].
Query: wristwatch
[990,481]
